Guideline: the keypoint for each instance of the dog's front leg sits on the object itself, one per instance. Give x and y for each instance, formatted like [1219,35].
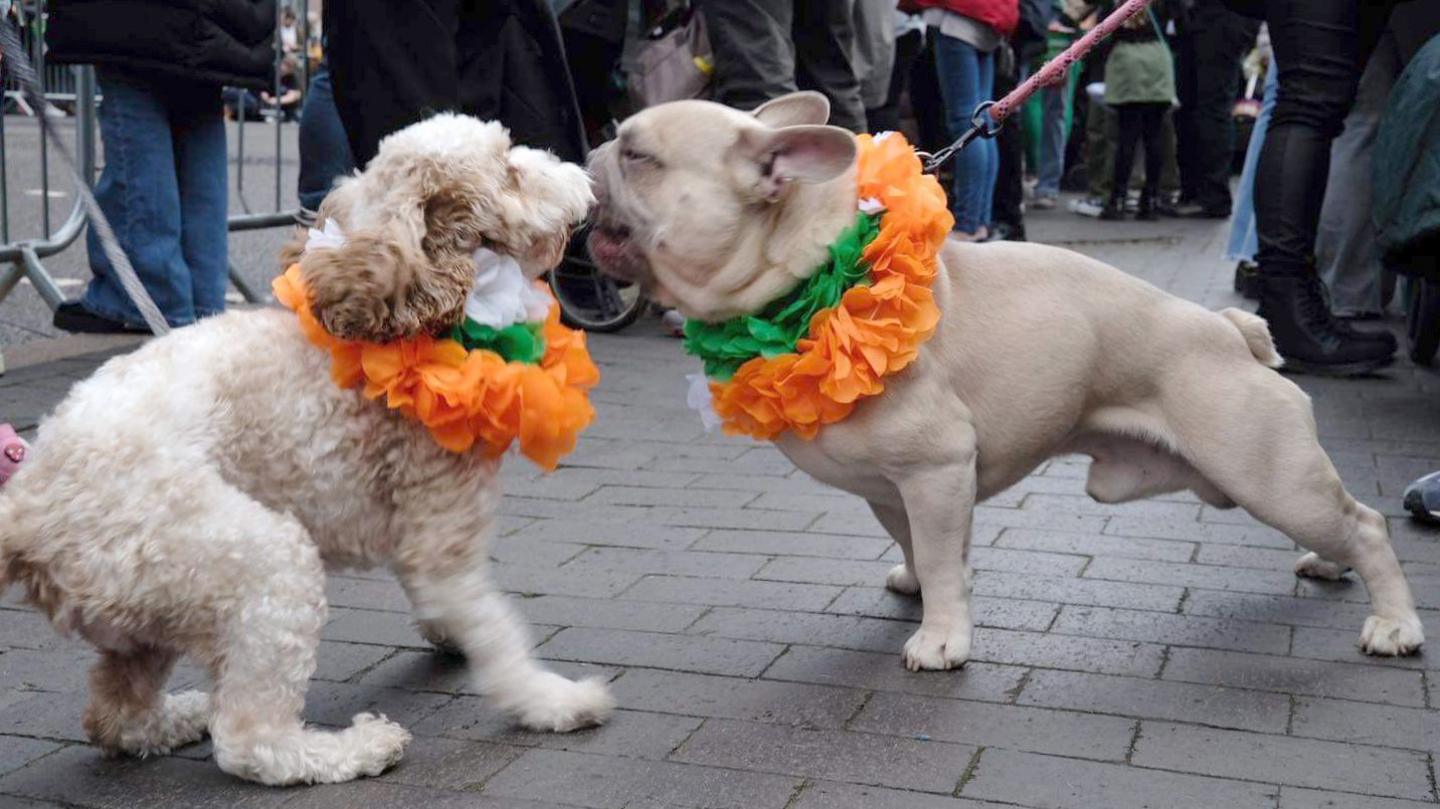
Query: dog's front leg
[456,600]
[940,502]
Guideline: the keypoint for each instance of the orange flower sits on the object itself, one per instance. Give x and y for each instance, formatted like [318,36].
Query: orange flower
[465,398]
[875,331]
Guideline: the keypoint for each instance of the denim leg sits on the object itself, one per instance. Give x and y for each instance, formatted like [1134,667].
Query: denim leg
[1055,99]
[1243,242]
[991,149]
[324,150]
[957,67]
[198,130]
[140,196]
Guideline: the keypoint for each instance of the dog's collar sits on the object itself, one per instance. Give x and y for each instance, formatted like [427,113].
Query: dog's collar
[809,357]
[503,376]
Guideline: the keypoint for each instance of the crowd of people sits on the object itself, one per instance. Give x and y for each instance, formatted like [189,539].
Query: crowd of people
[1176,84]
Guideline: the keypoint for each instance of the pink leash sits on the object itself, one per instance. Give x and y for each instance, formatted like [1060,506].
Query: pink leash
[990,116]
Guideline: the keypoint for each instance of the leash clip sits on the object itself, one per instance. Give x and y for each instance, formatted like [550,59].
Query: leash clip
[983,126]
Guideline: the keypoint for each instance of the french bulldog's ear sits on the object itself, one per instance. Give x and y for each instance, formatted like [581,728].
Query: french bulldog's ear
[799,154]
[794,109]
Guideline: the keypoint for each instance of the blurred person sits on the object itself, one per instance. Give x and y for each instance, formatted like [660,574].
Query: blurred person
[1008,200]
[164,185]
[1321,48]
[1140,88]
[392,64]
[1243,238]
[874,52]
[289,31]
[324,149]
[909,42]
[966,34]
[287,106]
[1211,40]
[767,48]
[1056,115]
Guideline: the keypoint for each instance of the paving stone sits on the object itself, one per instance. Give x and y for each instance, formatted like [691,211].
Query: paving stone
[384,595]
[1279,759]
[609,613]
[48,671]
[671,563]
[1027,562]
[1063,652]
[885,672]
[17,751]
[450,674]
[1179,630]
[27,629]
[628,733]
[1013,727]
[618,535]
[525,552]
[1247,556]
[559,581]
[643,496]
[450,763]
[604,782]
[1297,798]
[1046,782]
[814,629]
[1001,613]
[829,501]
[335,704]
[770,702]
[1278,582]
[1039,519]
[760,483]
[735,518]
[1343,646]
[1277,609]
[370,793]
[1093,592]
[791,543]
[1158,699]
[47,715]
[342,661]
[1096,545]
[849,524]
[724,593]
[679,652]
[1258,535]
[1291,675]
[824,571]
[81,776]
[829,754]
[1367,723]
[1151,509]
[826,795]
[373,627]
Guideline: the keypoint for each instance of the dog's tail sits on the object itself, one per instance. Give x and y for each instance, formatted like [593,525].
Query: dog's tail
[1257,336]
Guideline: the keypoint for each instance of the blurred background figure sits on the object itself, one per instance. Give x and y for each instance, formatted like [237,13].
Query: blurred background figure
[164,186]
[1140,88]
[1211,40]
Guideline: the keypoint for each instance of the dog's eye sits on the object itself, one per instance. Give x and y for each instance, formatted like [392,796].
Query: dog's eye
[630,155]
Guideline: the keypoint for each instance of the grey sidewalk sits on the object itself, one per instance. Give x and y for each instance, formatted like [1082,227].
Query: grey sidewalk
[1157,654]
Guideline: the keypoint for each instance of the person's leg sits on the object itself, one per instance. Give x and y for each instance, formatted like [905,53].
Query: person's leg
[1006,218]
[324,150]
[1130,128]
[140,196]
[1242,224]
[201,169]
[391,64]
[886,117]
[1187,65]
[1319,48]
[1221,38]
[754,57]
[1152,120]
[824,33]
[957,67]
[1345,250]
[925,96]
[986,62]
[1055,101]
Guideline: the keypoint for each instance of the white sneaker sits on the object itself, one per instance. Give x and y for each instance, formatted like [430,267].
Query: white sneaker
[1087,206]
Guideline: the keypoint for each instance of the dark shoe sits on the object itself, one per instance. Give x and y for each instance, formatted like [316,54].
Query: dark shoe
[1422,498]
[1114,209]
[1149,210]
[76,319]
[1194,210]
[1309,337]
[1247,280]
[1005,232]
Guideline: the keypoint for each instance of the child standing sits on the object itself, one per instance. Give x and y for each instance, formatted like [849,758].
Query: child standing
[1140,87]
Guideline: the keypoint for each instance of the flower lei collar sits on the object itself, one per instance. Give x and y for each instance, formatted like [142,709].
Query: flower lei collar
[509,372]
[809,357]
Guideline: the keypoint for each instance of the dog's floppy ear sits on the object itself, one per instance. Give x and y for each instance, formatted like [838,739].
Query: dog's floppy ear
[794,109]
[796,154]
[358,290]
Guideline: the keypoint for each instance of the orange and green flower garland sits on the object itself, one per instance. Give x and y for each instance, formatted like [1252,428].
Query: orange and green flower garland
[808,358]
[479,387]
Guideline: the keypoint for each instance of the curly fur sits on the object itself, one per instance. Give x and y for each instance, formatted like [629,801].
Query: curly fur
[187,498]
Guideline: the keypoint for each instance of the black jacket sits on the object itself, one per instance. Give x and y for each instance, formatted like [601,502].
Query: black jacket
[221,41]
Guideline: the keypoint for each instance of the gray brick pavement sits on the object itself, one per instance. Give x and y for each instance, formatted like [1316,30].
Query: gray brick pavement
[1154,655]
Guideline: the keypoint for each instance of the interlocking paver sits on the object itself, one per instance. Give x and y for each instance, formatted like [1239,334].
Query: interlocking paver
[737,609]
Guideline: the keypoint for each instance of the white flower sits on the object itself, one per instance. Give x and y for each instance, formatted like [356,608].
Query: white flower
[331,237]
[502,295]
[700,400]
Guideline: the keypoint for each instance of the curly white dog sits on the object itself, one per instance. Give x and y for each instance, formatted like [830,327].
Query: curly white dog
[187,498]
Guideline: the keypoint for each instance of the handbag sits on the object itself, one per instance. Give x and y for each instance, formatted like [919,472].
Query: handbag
[673,66]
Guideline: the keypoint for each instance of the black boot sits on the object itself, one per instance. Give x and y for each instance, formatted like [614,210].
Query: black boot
[1114,209]
[1247,280]
[1149,208]
[1308,336]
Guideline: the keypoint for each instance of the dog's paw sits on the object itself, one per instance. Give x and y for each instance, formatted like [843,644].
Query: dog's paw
[187,715]
[932,650]
[374,744]
[1388,637]
[1311,566]
[435,635]
[901,579]
[555,704]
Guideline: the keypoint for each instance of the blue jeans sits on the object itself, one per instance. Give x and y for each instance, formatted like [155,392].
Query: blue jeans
[1243,239]
[324,149]
[164,190]
[967,77]
[1055,102]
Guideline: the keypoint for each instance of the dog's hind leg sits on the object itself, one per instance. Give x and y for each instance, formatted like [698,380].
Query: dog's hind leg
[129,711]
[896,523]
[1254,437]
[262,656]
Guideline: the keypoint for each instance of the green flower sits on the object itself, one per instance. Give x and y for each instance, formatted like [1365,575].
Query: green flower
[723,347]
[520,342]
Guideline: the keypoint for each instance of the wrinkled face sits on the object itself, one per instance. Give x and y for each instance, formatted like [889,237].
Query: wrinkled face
[688,192]
[436,192]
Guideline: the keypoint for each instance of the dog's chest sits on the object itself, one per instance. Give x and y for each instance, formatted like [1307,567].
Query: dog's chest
[816,459]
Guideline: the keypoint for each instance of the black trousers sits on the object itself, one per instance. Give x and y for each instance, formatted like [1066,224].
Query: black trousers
[886,117]
[767,48]
[1139,122]
[1321,47]
[1211,42]
[1009,193]
[395,62]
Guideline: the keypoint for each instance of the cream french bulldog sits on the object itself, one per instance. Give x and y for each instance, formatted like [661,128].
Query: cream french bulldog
[1039,352]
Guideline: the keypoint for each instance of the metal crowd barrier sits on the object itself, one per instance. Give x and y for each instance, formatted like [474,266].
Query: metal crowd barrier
[73,88]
